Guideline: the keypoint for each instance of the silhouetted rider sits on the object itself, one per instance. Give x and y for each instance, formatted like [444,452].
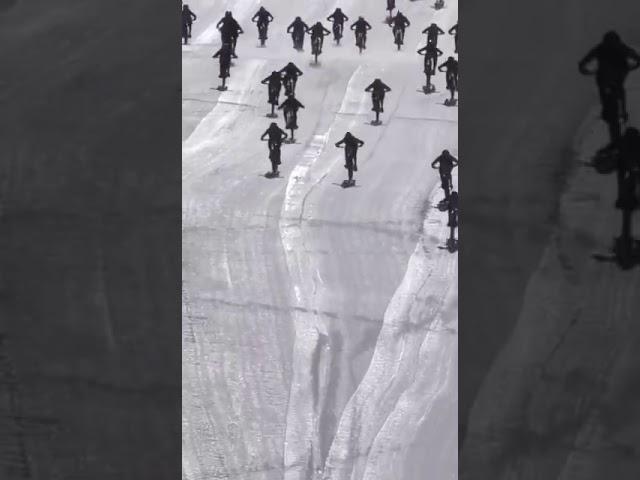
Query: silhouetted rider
[433,31]
[454,31]
[378,89]
[399,23]
[317,31]
[351,145]
[188,17]
[361,26]
[290,77]
[337,18]
[431,54]
[297,30]
[290,108]
[614,61]
[445,163]
[274,82]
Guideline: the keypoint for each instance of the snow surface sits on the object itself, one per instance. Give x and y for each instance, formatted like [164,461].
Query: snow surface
[319,324]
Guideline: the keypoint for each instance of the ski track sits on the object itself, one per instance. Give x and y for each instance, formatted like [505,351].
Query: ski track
[418,336]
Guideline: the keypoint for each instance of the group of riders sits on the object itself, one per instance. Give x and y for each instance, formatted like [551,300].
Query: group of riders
[613,61]
[287,77]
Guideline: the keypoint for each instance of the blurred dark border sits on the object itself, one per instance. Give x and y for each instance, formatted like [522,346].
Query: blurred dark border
[522,104]
[90,180]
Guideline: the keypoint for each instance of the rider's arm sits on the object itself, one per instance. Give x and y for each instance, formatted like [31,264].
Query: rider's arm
[586,60]
[438,51]
[407,22]
[346,19]
[440,31]
[369,27]
[353,26]
[330,18]
[283,134]
[339,144]
[193,16]
[289,28]
[298,71]
[327,32]
[454,161]
[270,17]
[423,49]
[453,29]
[369,88]
[254,18]
[264,135]
[217,54]
[441,66]
[633,55]
[435,163]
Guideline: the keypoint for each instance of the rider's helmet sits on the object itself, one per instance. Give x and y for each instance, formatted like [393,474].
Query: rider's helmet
[262,9]
[318,24]
[298,19]
[275,74]
[227,14]
[451,59]
[338,9]
[185,6]
[445,153]
[611,38]
[273,125]
[361,19]
[348,135]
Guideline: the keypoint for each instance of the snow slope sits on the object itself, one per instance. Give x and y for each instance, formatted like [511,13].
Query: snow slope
[319,324]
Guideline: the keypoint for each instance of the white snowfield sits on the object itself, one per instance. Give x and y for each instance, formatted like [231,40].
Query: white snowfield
[319,323]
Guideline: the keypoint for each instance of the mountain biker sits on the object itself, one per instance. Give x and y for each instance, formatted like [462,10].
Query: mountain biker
[361,26]
[351,145]
[188,17]
[290,108]
[224,54]
[451,74]
[378,89]
[431,54]
[391,5]
[399,23]
[229,31]
[432,32]
[452,211]
[614,61]
[628,169]
[337,18]
[276,136]
[318,31]
[454,31]
[262,18]
[297,30]
[290,77]
[274,81]
[445,164]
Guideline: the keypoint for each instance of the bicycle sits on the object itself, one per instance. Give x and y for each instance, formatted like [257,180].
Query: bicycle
[360,41]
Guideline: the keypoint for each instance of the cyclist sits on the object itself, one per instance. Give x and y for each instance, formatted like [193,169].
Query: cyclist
[290,109]
[188,17]
[290,78]
[432,32]
[351,145]
[399,23]
[452,211]
[318,32]
[615,60]
[337,18]
[297,30]
[391,5]
[454,31]
[451,74]
[274,82]
[276,136]
[378,89]
[431,54]
[224,54]
[445,163]
[361,26]
[262,18]
[229,31]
